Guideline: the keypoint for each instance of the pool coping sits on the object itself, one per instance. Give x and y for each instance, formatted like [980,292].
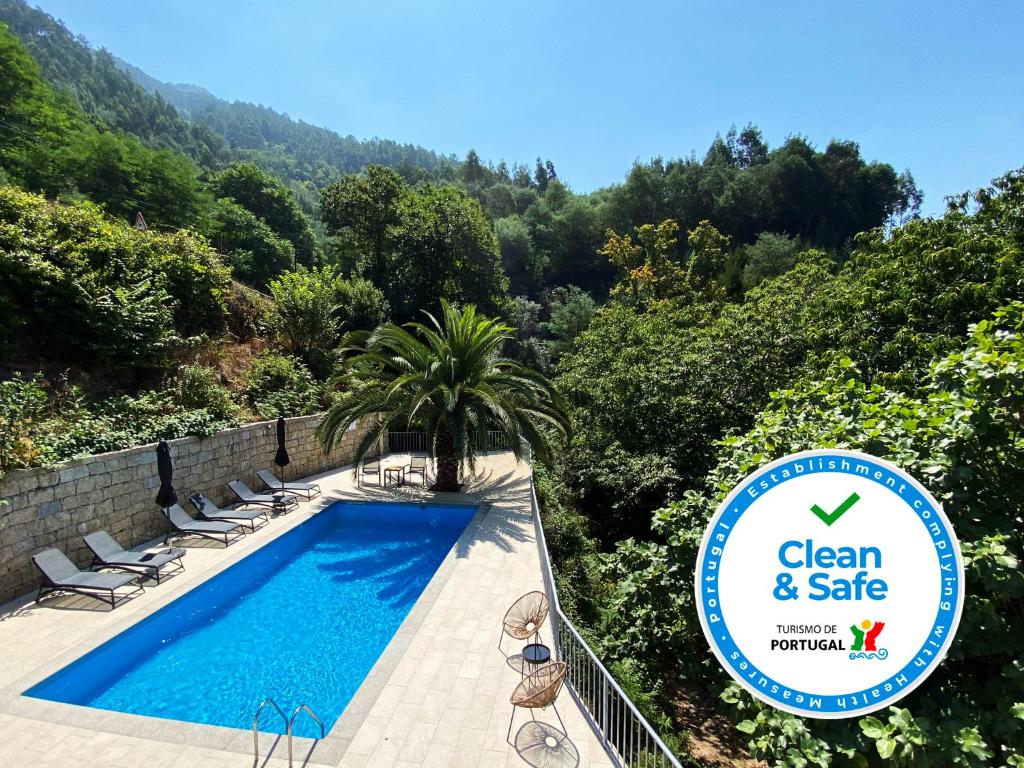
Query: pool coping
[333,746]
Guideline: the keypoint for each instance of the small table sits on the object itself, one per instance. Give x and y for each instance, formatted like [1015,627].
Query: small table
[397,471]
[535,655]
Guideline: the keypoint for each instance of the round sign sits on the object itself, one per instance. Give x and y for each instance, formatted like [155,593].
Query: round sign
[829,583]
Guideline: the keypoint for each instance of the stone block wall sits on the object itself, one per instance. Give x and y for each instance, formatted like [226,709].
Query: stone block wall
[56,506]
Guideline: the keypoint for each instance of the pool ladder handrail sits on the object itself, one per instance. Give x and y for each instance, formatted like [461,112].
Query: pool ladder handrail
[291,726]
[256,727]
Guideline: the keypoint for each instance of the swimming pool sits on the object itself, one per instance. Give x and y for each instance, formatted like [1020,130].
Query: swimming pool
[303,619]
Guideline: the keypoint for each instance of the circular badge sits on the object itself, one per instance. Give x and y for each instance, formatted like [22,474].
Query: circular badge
[829,583]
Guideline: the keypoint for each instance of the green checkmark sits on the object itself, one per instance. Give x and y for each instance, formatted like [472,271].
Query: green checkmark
[830,517]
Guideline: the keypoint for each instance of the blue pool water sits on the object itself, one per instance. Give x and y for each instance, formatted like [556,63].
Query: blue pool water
[303,619]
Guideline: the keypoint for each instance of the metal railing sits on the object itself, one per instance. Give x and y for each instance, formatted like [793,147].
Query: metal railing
[406,442]
[625,734]
[497,441]
[291,726]
[256,726]
[413,442]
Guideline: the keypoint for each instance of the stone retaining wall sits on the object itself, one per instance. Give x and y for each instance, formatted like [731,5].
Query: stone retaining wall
[56,506]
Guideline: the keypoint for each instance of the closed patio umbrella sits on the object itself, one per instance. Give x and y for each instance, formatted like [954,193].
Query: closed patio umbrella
[281,458]
[166,496]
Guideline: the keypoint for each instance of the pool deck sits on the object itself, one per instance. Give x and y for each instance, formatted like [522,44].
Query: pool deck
[438,696]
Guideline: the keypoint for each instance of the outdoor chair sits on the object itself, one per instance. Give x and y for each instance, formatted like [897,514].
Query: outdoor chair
[61,575]
[370,466]
[215,530]
[282,502]
[538,690]
[417,466]
[107,553]
[309,490]
[207,510]
[525,618]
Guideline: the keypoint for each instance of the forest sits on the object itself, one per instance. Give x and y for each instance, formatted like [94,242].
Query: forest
[701,318]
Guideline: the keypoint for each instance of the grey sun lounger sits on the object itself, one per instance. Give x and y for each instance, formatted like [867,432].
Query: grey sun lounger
[309,490]
[282,502]
[61,575]
[216,530]
[107,553]
[210,511]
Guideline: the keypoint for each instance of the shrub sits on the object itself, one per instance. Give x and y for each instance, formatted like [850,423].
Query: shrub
[278,385]
[22,405]
[94,291]
[305,303]
[361,306]
[962,437]
[198,387]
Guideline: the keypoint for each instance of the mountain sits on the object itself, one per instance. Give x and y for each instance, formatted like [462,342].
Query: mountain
[190,120]
[294,149]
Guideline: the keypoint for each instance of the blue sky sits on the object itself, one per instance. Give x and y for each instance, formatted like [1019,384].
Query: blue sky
[937,87]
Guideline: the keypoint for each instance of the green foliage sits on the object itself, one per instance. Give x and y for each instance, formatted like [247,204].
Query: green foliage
[43,428]
[571,309]
[278,385]
[365,212]
[255,253]
[517,255]
[198,387]
[22,406]
[95,80]
[50,147]
[273,203]
[417,246]
[962,437]
[769,256]
[94,291]
[304,313]
[361,305]
[449,379]
[654,389]
[908,297]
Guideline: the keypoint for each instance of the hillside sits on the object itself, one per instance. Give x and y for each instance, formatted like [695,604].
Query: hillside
[293,149]
[211,131]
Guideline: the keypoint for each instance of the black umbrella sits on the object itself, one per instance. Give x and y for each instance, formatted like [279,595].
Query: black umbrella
[166,497]
[281,458]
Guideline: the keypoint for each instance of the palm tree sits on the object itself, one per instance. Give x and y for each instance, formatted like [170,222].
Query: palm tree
[451,380]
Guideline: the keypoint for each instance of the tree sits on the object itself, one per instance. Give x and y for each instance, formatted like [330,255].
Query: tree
[266,197]
[707,251]
[517,255]
[472,171]
[647,267]
[256,254]
[769,257]
[445,249]
[571,311]
[367,208]
[361,304]
[305,305]
[541,176]
[448,378]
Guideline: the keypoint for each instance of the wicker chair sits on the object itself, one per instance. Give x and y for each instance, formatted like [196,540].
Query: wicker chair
[538,690]
[525,618]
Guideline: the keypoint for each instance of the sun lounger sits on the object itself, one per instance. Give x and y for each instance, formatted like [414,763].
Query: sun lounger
[107,553]
[216,530]
[209,511]
[282,502]
[61,575]
[309,490]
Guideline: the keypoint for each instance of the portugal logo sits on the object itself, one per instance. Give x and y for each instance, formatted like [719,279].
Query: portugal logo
[864,637]
[808,562]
